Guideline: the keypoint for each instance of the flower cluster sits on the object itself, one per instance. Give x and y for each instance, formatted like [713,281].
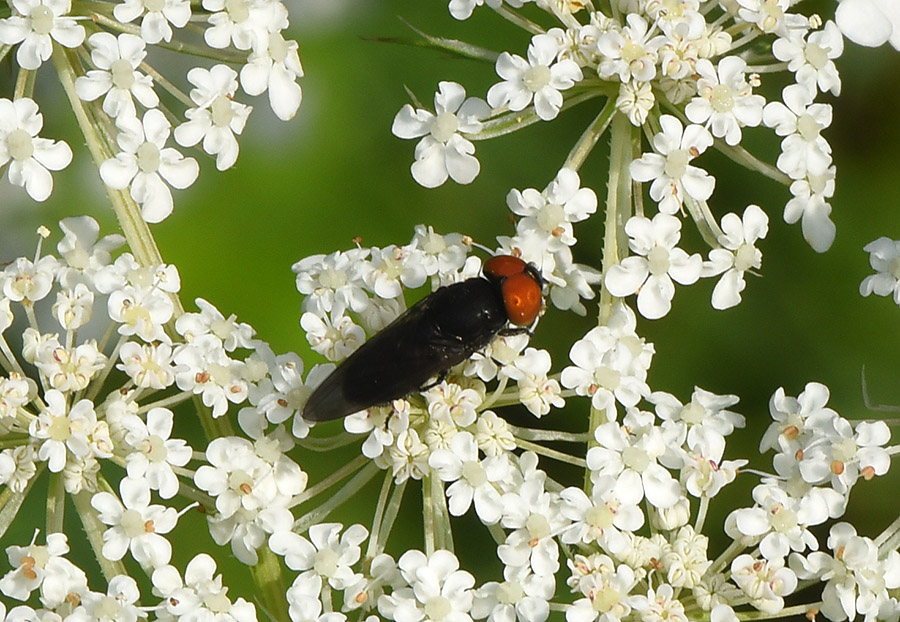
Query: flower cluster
[125,108]
[690,75]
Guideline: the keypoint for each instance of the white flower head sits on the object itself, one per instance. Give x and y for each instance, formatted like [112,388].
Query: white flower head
[443,151]
[158,17]
[737,255]
[30,157]
[725,101]
[669,167]
[658,262]
[540,78]
[217,117]
[36,24]
[884,257]
[147,165]
[116,75]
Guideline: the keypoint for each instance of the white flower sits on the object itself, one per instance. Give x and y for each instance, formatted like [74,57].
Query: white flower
[538,78]
[533,515]
[335,278]
[65,430]
[803,150]
[636,100]
[599,518]
[669,168]
[120,603]
[632,460]
[327,553]
[738,255]
[810,203]
[551,213]
[116,76]
[658,262]
[779,522]
[765,582]
[472,479]
[629,54]
[659,605]
[606,593]
[725,102]
[607,369]
[30,158]
[537,391]
[438,589]
[857,577]
[150,366]
[870,22]
[36,25]
[274,66]
[43,566]
[145,162]
[884,257]
[462,9]
[155,453]
[812,59]
[523,596]
[335,336]
[135,525]
[217,117]
[771,15]
[201,596]
[155,25]
[443,151]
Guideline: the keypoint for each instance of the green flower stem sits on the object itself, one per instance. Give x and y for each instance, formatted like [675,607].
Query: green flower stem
[706,223]
[94,529]
[787,612]
[329,481]
[889,539]
[591,135]
[344,494]
[543,436]
[724,559]
[509,122]
[128,212]
[270,587]
[11,502]
[618,209]
[454,46]
[56,503]
[378,518]
[24,84]
[553,454]
[443,532]
[522,22]
[701,514]
[327,443]
[390,515]
[428,519]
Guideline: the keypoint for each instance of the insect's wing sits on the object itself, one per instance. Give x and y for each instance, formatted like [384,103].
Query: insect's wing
[435,334]
[392,364]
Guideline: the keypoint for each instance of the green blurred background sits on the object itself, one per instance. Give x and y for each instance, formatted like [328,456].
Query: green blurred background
[336,172]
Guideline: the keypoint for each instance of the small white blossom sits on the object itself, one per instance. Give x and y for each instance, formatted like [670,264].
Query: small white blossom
[36,24]
[737,255]
[725,102]
[658,262]
[669,169]
[30,157]
[884,257]
[116,76]
[146,164]
[540,78]
[158,17]
[217,117]
[443,151]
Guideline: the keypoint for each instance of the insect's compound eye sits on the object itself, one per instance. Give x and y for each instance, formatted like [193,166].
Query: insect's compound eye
[522,298]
